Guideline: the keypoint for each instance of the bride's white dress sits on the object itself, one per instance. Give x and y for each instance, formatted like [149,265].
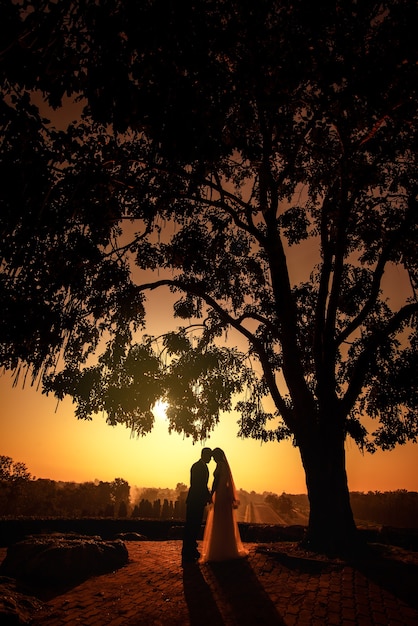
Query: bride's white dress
[221,539]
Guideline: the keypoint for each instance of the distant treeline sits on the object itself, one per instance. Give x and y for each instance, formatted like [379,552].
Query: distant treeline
[48,498]
[44,497]
[388,508]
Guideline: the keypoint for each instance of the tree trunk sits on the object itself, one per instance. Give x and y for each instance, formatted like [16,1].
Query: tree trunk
[331,527]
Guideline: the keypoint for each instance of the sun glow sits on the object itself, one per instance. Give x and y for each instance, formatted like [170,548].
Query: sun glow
[160,410]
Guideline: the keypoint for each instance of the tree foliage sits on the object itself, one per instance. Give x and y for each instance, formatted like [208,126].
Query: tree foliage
[256,160]
[23,495]
[13,471]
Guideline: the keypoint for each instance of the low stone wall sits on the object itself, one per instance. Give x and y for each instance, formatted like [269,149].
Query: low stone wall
[13,530]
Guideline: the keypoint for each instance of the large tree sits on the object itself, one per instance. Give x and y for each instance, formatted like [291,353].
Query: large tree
[256,159]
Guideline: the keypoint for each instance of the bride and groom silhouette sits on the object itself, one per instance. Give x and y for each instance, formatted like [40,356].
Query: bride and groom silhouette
[221,539]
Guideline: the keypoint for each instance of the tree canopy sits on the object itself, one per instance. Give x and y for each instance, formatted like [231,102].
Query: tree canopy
[259,162]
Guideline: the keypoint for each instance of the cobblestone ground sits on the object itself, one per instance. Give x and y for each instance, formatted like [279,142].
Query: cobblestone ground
[268,588]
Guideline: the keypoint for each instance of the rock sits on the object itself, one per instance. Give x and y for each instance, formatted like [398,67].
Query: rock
[16,608]
[58,559]
[131,537]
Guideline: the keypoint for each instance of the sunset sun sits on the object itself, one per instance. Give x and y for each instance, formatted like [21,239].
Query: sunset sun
[160,410]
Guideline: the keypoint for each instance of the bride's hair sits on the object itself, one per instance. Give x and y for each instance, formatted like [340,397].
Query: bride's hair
[218,454]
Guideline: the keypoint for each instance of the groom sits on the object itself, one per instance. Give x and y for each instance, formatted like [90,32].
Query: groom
[197,498]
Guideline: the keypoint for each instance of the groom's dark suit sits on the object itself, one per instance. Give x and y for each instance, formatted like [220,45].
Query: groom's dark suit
[197,498]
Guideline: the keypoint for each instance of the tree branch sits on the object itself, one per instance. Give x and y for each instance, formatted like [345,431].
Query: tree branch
[287,315]
[392,241]
[368,354]
[371,301]
[236,324]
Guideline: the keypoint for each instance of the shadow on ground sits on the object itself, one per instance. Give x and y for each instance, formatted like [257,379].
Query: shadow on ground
[392,572]
[243,599]
[391,568]
[203,609]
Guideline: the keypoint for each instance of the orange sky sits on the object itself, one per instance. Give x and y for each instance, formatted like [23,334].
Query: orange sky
[54,444]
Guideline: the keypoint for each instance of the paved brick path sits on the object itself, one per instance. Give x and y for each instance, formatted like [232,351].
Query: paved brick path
[269,588]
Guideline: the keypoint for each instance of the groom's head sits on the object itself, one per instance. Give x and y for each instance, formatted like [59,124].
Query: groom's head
[206,455]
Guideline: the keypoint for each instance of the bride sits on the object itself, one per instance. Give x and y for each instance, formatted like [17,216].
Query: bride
[221,539]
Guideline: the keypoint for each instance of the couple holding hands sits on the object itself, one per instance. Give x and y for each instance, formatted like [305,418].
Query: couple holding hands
[221,539]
